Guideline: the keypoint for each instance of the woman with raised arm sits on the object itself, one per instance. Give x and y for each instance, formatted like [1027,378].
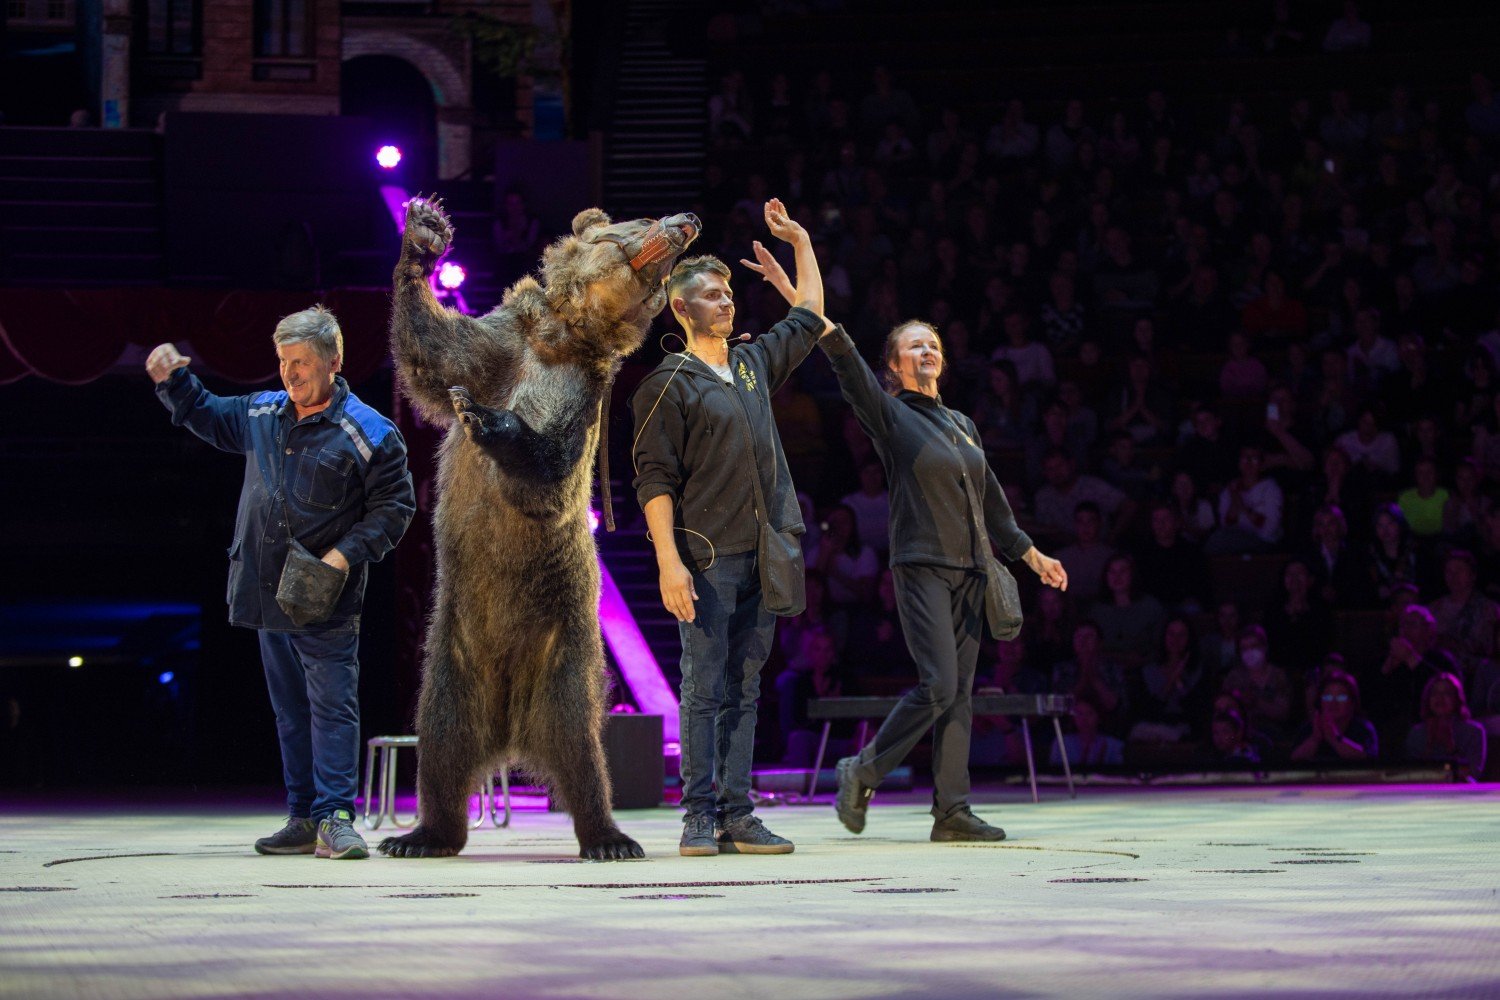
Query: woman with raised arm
[947,509]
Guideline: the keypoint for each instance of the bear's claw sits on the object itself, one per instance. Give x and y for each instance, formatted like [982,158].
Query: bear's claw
[614,846]
[420,843]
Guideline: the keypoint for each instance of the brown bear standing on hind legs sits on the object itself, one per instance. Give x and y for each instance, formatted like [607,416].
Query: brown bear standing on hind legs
[513,666]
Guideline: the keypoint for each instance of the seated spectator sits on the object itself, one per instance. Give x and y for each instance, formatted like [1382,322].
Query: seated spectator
[1195,513]
[1465,617]
[800,423]
[814,617]
[1391,558]
[730,111]
[997,739]
[999,412]
[1086,557]
[847,564]
[1274,316]
[1423,503]
[1205,453]
[1371,357]
[1173,688]
[1337,485]
[876,640]
[1064,322]
[1341,578]
[1413,658]
[1373,452]
[1090,672]
[1263,686]
[1013,138]
[1123,469]
[1243,376]
[1231,739]
[1338,730]
[1299,625]
[872,507]
[1466,507]
[1446,731]
[814,672]
[1063,137]
[1169,565]
[1086,746]
[1487,439]
[1349,33]
[1048,632]
[1142,407]
[1130,622]
[1201,317]
[1083,422]
[1249,510]
[1288,451]
[1124,285]
[1219,648]
[1033,362]
[1055,502]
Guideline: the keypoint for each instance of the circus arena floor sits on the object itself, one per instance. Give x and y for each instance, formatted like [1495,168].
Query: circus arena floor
[1338,891]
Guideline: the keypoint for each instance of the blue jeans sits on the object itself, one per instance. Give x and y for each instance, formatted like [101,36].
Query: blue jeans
[313,678]
[723,649]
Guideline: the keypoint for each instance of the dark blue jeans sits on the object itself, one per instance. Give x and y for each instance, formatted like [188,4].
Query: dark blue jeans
[313,678]
[723,649]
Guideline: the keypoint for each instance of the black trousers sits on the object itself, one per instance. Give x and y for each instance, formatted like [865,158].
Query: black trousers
[942,613]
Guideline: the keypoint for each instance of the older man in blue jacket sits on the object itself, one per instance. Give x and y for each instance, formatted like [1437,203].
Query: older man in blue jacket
[322,467]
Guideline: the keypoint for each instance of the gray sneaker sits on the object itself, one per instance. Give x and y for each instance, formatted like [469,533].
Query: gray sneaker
[748,835]
[853,797]
[337,838]
[299,836]
[698,836]
[964,825]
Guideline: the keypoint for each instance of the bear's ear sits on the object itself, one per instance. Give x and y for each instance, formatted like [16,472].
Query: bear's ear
[587,219]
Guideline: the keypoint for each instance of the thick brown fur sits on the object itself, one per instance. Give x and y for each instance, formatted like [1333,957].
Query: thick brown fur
[513,665]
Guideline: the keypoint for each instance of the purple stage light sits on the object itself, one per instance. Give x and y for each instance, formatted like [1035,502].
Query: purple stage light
[638,666]
[593,520]
[166,677]
[388,157]
[451,275]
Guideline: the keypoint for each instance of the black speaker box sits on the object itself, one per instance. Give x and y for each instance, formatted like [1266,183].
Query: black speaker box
[632,748]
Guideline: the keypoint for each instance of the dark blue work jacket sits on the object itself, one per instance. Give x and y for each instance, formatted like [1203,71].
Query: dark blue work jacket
[340,474]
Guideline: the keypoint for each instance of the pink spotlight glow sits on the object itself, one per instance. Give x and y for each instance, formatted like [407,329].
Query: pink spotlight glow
[593,520]
[388,157]
[451,275]
[638,665]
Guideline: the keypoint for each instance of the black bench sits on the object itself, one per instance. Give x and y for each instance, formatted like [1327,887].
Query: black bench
[1021,706]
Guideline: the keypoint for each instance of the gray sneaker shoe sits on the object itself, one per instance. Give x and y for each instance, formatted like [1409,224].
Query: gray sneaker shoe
[337,838]
[964,825]
[748,835]
[299,836]
[698,836]
[853,798]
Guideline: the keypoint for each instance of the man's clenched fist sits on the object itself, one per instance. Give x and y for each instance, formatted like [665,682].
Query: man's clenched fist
[163,361]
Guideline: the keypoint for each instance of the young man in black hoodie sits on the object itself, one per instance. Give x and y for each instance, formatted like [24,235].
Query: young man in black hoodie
[703,429]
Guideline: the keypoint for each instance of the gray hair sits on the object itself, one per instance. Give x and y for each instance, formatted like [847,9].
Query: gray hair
[317,326]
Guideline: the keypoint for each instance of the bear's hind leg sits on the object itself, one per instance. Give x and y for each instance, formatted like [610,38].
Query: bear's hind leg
[566,743]
[581,780]
[450,755]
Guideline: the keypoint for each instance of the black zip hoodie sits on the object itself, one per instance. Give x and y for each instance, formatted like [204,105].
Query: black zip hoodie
[693,435]
[916,437]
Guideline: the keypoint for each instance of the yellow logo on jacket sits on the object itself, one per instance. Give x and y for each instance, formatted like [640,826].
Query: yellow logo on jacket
[746,376]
